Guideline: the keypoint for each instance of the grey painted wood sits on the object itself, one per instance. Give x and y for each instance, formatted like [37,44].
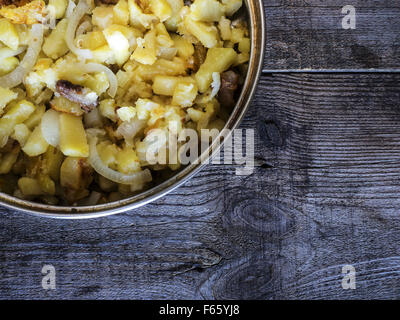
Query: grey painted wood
[309,35]
[325,193]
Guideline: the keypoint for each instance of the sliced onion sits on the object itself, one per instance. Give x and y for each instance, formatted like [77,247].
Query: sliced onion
[70,8]
[73,23]
[7,52]
[51,128]
[92,200]
[93,119]
[115,176]
[83,28]
[15,77]
[97,67]
[130,129]
[216,84]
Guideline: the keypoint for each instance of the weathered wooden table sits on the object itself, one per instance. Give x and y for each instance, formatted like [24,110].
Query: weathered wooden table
[326,192]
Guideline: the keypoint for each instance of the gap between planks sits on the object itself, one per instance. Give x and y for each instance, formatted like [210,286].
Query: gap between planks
[267,71]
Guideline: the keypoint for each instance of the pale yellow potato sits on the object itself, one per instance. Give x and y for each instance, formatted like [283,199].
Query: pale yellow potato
[128,161]
[8,34]
[165,85]
[55,46]
[73,141]
[121,12]
[184,46]
[103,17]
[218,60]
[184,94]
[206,33]
[60,6]
[161,9]
[18,113]
[118,43]
[29,187]
[8,64]
[36,144]
[107,109]
[207,10]
[146,51]
[6,96]
[21,133]
[35,118]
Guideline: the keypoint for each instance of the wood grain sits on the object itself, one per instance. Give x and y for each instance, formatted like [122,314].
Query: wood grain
[309,35]
[325,193]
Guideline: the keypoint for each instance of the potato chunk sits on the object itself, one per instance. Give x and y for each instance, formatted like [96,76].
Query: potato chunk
[231,6]
[8,34]
[184,94]
[165,85]
[53,159]
[31,13]
[55,46]
[36,145]
[184,46]
[118,43]
[146,51]
[161,9]
[217,60]
[9,159]
[207,34]
[29,187]
[128,161]
[73,140]
[207,10]
[8,64]
[64,105]
[75,173]
[6,96]
[103,17]
[17,114]
[59,7]
[175,19]
[21,134]
[121,12]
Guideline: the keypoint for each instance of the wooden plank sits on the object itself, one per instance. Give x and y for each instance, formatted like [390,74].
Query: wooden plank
[325,194]
[309,35]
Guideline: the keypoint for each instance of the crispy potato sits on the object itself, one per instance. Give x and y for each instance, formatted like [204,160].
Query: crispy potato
[31,13]
[64,105]
[171,59]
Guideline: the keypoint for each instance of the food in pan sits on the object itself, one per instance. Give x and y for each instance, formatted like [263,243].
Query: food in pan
[84,84]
